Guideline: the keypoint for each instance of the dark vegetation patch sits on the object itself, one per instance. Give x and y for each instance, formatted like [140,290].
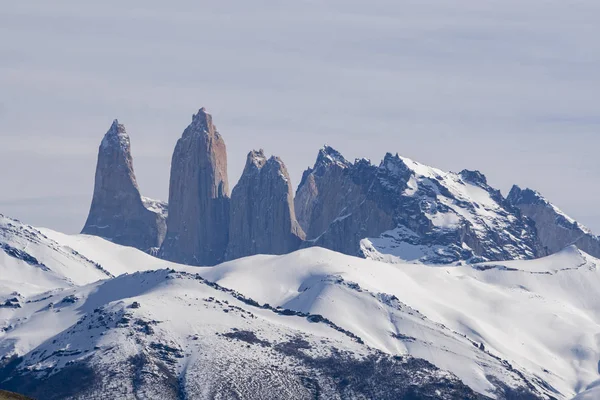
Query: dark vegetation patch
[13,302]
[71,380]
[246,336]
[281,311]
[166,353]
[141,375]
[520,393]
[405,338]
[376,376]
[145,326]
[23,256]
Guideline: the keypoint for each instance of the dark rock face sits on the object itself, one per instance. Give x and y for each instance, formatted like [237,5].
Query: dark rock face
[318,200]
[197,226]
[408,211]
[263,220]
[398,210]
[555,230]
[118,211]
[337,211]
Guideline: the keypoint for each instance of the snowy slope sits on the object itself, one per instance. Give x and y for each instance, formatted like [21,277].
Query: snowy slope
[542,316]
[538,320]
[31,262]
[114,258]
[172,335]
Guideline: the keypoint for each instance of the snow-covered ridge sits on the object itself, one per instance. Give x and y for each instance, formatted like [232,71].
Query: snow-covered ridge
[485,323]
[33,262]
[168,334]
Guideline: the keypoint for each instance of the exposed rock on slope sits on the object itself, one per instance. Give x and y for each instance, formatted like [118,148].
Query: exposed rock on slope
[555,230]
[263,220]
[403,210]
[323,192]
[336,205]
[197,226]
[32,263]
[137,336]
[118,211]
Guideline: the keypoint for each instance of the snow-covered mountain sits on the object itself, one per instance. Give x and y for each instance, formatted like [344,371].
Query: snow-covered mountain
[540,316]
[395,211]
[32,263]
[401,210]
[172,334]
[309,324]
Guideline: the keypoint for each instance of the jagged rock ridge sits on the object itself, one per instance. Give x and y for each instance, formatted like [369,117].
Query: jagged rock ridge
[397,210]
[118,211]
[403,210]
[263,219]
[555,230]
[197,226]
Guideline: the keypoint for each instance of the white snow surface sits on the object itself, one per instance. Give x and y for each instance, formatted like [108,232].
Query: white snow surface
[541,316]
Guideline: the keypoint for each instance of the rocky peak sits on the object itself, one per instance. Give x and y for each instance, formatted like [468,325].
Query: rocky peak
[201,123]
[518,196]
[116,137]
[474,177]
[256,159]
[555,229]
[331,190]
[409,211]
[198,219]
[393,166]
[330,156]
[117,211]
[263,219]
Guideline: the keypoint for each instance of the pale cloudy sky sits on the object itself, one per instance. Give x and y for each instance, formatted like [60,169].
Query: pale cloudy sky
[509,87]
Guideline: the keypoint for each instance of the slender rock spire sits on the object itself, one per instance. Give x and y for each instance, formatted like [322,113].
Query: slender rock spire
[197,226]
[118,210]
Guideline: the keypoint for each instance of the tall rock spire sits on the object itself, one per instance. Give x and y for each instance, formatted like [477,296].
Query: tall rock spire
[263,220]
[197,226]
[118,211]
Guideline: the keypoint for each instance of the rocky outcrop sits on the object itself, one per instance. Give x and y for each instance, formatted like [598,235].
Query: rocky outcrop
[118,211]
[263,220]
[334,205]
[318,200]
[405,211]
[555,230]
[399,210]
[197,226]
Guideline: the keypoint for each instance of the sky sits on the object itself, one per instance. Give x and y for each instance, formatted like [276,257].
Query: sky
[510,88]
